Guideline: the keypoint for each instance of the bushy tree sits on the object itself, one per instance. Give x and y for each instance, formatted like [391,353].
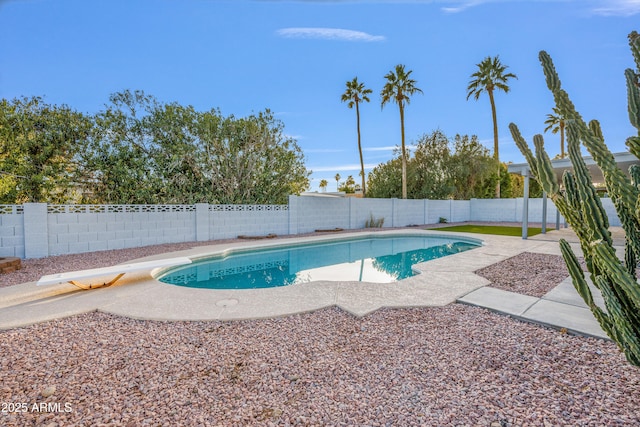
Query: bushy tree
[251,160]
[430,173]
[385,180]
[39,144]
[516,187]
[439,169]
[117,165]
[472,169]
[138,150]
[175,155]
[143,151]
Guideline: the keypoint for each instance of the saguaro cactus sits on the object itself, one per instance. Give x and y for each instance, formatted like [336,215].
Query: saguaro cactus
[581,207]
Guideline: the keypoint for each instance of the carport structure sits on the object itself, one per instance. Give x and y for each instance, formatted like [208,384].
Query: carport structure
[624,160]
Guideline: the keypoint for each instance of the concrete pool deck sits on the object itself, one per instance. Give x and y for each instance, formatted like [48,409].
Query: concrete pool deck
[443,281]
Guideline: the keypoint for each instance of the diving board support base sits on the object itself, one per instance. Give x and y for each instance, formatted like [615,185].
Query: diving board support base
[75,277]
[104,285]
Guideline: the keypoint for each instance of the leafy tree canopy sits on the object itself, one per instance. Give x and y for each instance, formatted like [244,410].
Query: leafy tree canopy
[442,168]
[39,144]
[138,150]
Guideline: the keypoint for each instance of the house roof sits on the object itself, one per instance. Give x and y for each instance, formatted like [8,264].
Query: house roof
[624,161]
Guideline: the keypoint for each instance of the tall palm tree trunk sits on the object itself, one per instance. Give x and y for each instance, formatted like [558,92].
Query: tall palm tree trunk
[364,190]
[404,156]
[496,154]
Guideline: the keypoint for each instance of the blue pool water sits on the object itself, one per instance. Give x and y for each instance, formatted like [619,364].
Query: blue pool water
[374,259]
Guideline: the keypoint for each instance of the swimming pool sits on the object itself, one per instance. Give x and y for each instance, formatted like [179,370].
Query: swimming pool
[370,259]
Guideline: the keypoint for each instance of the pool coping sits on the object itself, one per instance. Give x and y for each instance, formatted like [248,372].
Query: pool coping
[441,282]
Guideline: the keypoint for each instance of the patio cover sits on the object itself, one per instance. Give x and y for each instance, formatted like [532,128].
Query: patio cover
[623,160]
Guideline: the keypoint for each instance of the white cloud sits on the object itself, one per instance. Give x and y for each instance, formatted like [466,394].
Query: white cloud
[617,7]
[456,5]
[602,7]
[328,34]
[388,148]
[599,7]
[464,5]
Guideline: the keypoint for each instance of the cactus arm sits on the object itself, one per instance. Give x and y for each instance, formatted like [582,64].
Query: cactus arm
[524,149]
[614,177]
[581,286]
[592,211]
[571,190]
[629,291]
[576,272]
[630,246]
[633,82]
[634,172]
[633,144]
[633,97]
[623,194]
[630,260]
[594,127]
[634,44]
[544,167]
[583,210]
[622,331]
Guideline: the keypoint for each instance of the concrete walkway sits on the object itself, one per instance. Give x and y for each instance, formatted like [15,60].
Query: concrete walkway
[561,308]
[441,282]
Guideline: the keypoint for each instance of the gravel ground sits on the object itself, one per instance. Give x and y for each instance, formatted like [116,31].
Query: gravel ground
[454,365]
[527,273]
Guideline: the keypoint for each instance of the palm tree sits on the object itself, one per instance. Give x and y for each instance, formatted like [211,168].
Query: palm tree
[337,178]
[355,93]
[489,77]
[323,185]
[556,123]
[399,88]
[350,182]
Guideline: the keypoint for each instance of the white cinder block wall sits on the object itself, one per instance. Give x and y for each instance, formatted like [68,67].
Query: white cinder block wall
[11,231]
[407,212]
[36,230]
[499,210]
[230,221]
[364,209]
[70,233]
[324,213]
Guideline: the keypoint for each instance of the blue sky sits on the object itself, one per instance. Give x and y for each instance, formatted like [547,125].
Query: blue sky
[294,57]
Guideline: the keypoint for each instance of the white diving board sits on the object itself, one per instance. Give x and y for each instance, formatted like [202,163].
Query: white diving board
[118,270]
